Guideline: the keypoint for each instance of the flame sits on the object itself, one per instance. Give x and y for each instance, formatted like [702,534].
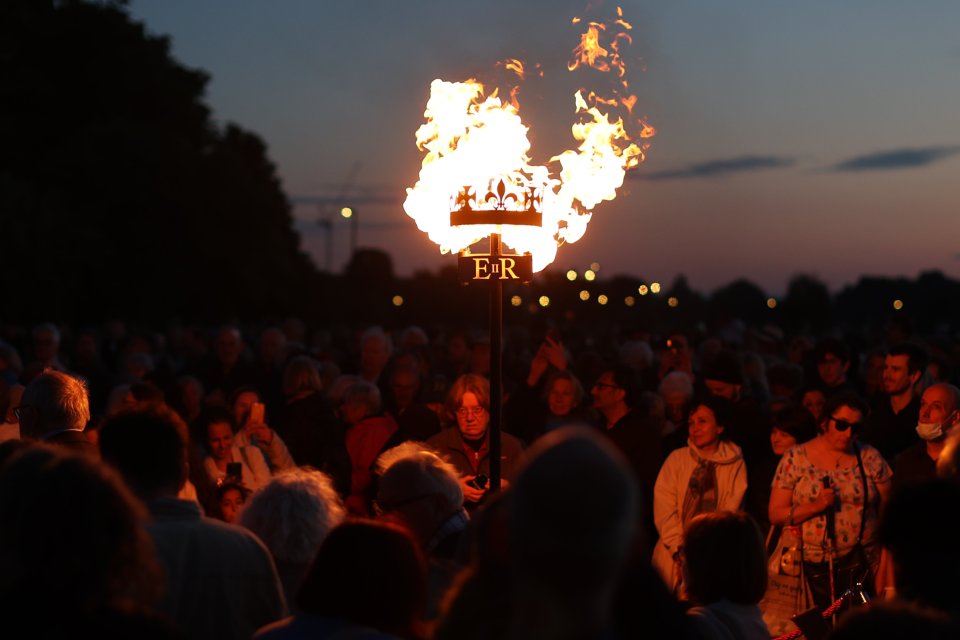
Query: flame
[512,64]
[472,140]
[589,51]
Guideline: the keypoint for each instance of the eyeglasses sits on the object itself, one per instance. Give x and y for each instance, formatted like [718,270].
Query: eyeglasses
[463,412]
[843,425]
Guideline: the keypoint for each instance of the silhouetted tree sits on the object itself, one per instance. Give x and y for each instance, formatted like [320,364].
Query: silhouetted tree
[690,307]
[807,307]
[740,299]
[120,196]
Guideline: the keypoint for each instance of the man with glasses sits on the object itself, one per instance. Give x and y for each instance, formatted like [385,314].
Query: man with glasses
[465,443]
[636,435]
[55,408]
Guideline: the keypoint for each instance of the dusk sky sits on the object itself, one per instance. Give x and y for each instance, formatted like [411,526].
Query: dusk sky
[818,137]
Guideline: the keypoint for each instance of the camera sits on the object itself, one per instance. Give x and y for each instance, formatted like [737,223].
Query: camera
[479,482]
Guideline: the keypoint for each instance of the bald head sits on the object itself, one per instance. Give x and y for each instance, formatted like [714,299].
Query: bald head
[949,391]
[939,404]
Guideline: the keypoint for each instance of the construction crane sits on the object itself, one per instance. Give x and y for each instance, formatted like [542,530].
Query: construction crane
[342,203]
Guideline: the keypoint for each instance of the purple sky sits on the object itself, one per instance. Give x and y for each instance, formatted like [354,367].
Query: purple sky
[816,137]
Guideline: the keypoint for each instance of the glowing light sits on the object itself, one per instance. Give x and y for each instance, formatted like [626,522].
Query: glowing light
[346,212]
[584,295]
[643,290]
[629,301]
[595,267]
[771,303]
[898,304]
[572,275]
[474,139]
[672,301]
[544,301]
[516,301]
[655,287]
[589,275]
[397,301]
[602,299]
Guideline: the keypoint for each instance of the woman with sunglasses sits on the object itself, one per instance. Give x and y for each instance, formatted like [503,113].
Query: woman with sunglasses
[465,440]
[832,487]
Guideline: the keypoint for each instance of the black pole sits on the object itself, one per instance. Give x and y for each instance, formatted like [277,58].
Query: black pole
[496,364]
[353,234]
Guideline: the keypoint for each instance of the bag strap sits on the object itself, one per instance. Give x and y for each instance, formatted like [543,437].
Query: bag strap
[866,492]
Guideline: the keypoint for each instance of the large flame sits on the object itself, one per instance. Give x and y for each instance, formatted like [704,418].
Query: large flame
[473,140]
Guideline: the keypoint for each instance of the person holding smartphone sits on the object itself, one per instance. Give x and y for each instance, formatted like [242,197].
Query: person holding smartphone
[228,461]
[249,414]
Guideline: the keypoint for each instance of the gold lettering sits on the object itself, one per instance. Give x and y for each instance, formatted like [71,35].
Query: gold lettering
[508,264]
[481,268]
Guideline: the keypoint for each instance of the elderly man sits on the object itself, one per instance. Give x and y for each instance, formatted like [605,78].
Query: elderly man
[421,491]
[939,414]
[375,350]
[55,407]
[228,369]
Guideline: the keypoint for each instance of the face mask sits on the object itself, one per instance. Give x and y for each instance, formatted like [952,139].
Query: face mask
[932,430]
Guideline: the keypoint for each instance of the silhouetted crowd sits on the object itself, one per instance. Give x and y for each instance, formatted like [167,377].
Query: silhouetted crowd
[276,482]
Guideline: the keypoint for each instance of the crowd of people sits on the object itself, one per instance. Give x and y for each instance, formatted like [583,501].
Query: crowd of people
[271,483]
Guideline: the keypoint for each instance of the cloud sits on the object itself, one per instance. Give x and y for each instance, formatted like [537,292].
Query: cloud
[896,159]
[715,168]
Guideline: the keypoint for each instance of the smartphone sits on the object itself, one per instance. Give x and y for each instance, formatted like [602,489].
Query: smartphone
[256,413]
[234,471]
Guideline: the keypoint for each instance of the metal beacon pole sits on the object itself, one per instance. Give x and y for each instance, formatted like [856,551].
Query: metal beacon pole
[500,206]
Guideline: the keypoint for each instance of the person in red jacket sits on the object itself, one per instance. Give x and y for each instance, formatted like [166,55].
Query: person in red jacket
[369,433]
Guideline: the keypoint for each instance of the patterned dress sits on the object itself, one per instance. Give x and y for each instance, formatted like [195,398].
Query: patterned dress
[798,474]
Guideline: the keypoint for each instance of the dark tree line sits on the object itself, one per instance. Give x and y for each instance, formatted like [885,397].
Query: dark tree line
[119,194]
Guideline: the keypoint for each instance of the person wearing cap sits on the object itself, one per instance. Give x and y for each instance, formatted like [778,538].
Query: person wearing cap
[749,423]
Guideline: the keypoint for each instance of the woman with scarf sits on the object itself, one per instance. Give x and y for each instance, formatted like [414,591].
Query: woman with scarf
[705,476]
